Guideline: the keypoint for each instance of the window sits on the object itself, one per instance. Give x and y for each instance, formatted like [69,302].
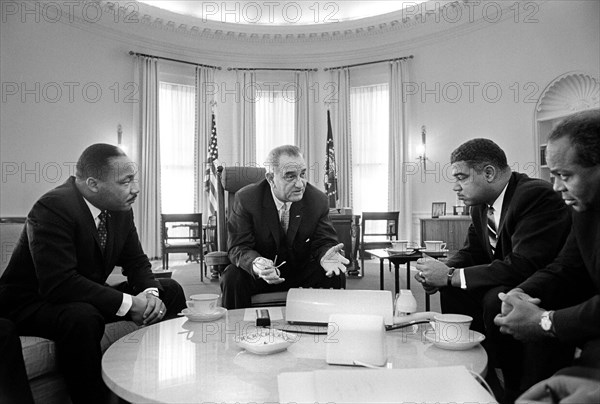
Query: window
[176,120]
[275,120]
[370,146]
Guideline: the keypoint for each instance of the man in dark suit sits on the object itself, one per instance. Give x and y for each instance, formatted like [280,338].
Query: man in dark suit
[562,301]
[280,235]
[518,225]
[54,285]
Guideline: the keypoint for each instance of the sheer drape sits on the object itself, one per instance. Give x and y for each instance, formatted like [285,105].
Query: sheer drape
[370,134]
[399,195]
[342,139]
[177,147]
[244,138]
[149,173]
[304,113]
[274,121]
[203,127]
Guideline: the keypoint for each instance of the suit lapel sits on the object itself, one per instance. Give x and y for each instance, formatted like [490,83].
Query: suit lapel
[510,191]
[271,215]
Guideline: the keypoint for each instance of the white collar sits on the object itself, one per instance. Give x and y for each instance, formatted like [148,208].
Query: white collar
[279,204]
[497,205]
[93,210]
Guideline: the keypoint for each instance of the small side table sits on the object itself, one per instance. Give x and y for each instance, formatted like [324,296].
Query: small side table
[402,258]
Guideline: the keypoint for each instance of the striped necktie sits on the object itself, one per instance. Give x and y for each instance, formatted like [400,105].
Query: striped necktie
[285,217]
[491,226]
[102,231]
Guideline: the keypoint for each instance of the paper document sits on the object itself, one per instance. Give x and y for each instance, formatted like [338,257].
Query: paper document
[452,384]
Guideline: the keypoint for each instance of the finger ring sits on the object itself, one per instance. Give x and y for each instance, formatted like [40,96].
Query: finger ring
[160,312]
[421,274]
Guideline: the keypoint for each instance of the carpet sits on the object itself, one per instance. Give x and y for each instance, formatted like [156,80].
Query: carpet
[188,276]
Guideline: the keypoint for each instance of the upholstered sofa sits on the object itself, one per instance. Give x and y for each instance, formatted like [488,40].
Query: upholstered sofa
[47,384]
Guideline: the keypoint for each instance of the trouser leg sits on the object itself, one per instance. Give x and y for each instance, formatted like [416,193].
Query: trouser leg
[14,384]
[76,329]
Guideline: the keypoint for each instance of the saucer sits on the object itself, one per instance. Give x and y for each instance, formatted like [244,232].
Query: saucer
[426,251]
[401,252]
[218,313]
[266,341]
[455,345]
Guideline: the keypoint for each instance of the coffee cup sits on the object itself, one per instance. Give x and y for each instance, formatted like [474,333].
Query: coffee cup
[452,327]
[435,245]
[400,245]
[203,303]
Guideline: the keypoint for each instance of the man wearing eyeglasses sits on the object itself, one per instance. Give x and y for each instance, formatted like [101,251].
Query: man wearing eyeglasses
[280,235]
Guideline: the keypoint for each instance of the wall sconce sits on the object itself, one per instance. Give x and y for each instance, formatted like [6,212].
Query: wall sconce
[421,149]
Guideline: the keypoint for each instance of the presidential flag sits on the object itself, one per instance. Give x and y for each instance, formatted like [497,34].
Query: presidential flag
[330,173]
[210,174]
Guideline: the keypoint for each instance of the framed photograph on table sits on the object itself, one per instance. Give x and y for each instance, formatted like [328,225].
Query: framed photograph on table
[438,209]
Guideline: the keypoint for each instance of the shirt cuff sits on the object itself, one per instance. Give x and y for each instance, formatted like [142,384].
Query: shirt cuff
[125,305]
[463,280]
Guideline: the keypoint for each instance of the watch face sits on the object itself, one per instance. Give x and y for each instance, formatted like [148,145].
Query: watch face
[546,323]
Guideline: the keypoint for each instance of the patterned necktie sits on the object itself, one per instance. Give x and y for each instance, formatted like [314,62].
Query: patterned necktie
[491,225]
[285,217]
[102,232]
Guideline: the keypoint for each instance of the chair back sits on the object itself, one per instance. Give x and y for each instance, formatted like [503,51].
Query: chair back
[231,180]
[386,229]
[182,233]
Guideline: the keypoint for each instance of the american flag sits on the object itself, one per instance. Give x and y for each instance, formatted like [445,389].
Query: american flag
[330,173]
[210,174]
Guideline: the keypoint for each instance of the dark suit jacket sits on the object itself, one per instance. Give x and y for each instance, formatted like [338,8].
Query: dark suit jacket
[572,282]
[58,257]
[534,224]
[254,230]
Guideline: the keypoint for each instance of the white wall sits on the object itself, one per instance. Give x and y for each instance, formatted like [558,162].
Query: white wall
[40,136]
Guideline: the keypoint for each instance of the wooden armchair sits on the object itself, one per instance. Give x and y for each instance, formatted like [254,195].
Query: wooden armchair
[182,233]
[377,231]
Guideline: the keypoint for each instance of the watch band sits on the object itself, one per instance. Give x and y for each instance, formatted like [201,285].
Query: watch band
[450,273]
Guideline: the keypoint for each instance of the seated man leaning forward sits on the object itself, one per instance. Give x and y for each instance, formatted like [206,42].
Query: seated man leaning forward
[518,226]
[562,301]
[280,235]
[54,285]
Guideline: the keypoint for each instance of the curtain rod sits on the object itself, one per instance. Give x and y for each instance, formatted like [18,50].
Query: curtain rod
[271,68]
[174,60]
[369,63]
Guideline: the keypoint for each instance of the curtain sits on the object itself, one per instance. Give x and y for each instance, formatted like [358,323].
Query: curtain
[203,127]
[304,114]
[176,147]
[244,138]
[274,121]
[370,134]
[342,139]
[399,195]
[149,172]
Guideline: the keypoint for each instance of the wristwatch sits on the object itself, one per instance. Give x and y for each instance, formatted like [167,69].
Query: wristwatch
[546,322]
[450,273]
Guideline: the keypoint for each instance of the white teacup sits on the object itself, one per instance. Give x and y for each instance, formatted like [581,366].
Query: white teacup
[401,245]
[203,303]
[452,327]
[435,245]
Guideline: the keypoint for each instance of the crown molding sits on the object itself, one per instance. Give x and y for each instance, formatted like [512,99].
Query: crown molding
[151,30]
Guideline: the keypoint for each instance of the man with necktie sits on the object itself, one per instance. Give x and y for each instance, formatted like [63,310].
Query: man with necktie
[54,285]
[561,302]
[280,235]
[518,226]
